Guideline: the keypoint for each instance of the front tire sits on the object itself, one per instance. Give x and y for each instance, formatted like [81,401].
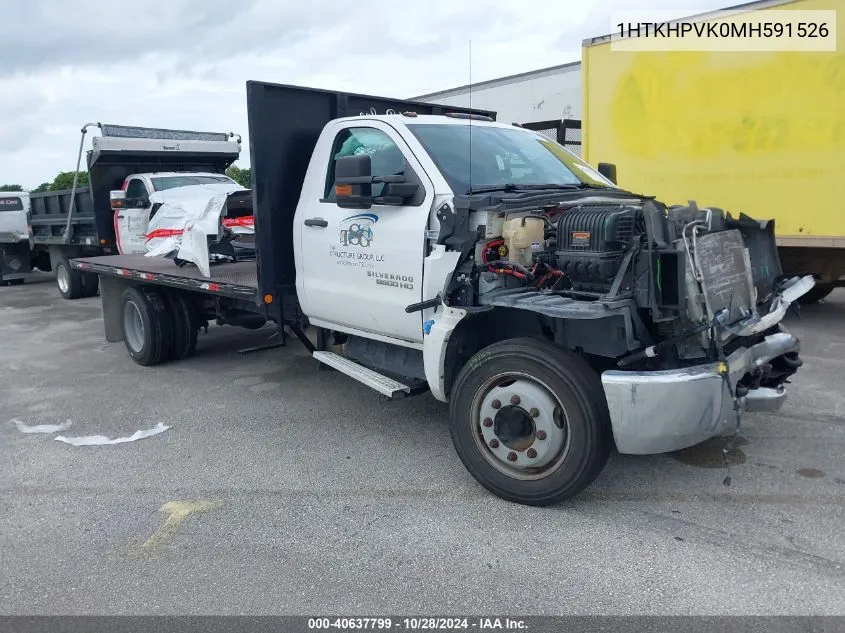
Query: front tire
[529,421]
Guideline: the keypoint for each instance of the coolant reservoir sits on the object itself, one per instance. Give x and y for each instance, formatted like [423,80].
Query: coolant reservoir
[523,236]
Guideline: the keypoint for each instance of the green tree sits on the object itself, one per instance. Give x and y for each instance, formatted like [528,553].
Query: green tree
[241,176]
[65,181]
[44,186]
[11,188]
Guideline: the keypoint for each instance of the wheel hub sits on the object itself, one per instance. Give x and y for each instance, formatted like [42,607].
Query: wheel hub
[133,326]
[514,427]
[62,279]
[527,436]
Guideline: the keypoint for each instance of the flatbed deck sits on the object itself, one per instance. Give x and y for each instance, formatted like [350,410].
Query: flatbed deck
[238,280]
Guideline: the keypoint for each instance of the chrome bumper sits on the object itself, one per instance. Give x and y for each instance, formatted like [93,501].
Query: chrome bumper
[661,411]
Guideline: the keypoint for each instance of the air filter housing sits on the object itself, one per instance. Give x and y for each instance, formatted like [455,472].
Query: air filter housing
[592,241]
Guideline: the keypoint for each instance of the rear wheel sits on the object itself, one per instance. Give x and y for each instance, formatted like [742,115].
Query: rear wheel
[147,331]
[185,325]
[68,280]
[530,422]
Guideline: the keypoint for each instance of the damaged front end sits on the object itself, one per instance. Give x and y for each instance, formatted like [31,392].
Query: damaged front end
[679,308]
[723,350]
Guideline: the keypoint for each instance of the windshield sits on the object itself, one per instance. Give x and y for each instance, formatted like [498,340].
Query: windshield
[11,204]
[502,156]
[171,182]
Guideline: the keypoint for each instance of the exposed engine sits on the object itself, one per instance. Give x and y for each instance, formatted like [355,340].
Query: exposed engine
[592,242]
[673,274]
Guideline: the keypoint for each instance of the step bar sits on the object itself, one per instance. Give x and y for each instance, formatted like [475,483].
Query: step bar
[374,380]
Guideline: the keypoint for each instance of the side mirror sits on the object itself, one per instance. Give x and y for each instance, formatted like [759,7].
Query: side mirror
[142,203]
[354,185]
[608,170]
[117,199]
[353,182]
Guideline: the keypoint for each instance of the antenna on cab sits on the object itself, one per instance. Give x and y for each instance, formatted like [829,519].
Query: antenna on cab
[470,114]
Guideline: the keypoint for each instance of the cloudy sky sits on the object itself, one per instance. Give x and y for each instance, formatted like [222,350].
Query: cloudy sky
[183,63]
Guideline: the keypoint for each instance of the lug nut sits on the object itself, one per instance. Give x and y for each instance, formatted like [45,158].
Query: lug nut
[488,422]
[534,412]
[494,443]
[541,435]
[531,453]
[511,456]
[496,404]
[514,400]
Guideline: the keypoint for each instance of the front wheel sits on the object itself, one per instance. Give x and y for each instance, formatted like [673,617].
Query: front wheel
[529,421]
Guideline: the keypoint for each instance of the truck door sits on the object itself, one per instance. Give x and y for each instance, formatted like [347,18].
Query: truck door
[132,221]
[361,268]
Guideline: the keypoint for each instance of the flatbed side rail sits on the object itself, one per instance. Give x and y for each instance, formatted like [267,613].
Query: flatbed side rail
[206,286]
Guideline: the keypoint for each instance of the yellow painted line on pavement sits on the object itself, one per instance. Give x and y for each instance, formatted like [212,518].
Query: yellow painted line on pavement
[177,512]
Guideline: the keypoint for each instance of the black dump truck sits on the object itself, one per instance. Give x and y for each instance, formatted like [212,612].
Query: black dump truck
[80,221]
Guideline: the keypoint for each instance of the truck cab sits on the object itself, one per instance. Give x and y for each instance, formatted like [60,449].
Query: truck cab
[373,260]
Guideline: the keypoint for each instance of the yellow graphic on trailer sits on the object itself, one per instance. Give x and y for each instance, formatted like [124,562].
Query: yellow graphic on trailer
[755,132]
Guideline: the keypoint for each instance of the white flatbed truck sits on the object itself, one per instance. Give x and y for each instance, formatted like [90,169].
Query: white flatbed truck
[434,249]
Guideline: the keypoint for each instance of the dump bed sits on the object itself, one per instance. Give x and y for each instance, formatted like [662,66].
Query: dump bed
[757,132]
[119,152]
[50,215]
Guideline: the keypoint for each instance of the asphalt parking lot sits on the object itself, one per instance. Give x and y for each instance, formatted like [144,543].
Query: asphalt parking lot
[279,489]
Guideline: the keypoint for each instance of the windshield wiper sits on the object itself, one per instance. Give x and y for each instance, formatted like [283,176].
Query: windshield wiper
[532,187]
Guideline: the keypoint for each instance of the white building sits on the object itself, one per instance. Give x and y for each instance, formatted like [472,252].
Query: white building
[538,95]
[546,95]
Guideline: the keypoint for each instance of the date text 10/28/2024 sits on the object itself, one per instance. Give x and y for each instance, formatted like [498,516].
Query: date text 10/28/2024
[416,624]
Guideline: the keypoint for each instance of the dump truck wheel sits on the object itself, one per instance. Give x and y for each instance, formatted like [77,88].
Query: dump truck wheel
[530,421]
[68,280]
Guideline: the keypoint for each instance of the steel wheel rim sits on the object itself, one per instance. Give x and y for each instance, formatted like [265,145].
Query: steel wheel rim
[63,279]
[133,326]
[548,435]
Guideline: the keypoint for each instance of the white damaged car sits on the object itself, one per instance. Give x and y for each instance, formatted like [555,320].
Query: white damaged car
[202,224]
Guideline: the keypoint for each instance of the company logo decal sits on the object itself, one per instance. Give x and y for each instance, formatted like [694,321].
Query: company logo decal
[357,230]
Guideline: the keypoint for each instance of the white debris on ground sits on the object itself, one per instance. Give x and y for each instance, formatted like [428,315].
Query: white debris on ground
[102,440]
[42,428]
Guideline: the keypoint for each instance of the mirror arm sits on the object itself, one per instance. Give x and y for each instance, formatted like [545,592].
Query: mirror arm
[354,180]
[366,180]
[389,200]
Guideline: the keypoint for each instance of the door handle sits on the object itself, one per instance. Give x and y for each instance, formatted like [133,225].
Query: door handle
[120,217]
[316,222]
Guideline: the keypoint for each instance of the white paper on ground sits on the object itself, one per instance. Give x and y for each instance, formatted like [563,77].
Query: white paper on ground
[42,428]
[102,440]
